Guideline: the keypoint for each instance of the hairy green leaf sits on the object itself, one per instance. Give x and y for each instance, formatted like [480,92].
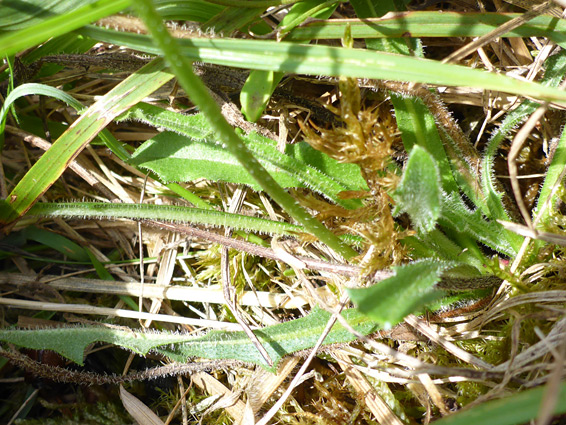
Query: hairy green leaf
[457,216]
[279,340]
[418,128]
[419,193]
[170,213]
[176,158]
[411,288]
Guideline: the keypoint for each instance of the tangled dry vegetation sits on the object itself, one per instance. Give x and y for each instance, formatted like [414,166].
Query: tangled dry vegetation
[418,371]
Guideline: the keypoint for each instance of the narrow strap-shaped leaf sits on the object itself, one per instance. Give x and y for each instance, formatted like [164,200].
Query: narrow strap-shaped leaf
[169,213]
[39,89]
[79,15]
[332,61]
[431,24]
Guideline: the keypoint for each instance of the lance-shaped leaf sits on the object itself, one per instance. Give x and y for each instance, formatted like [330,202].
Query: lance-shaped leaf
[411,288]
[279,340]
[176,158]
[419,193]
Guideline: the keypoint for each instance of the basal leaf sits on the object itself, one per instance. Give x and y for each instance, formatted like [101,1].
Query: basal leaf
[458,217]
[168,213]
[300,166]
[279,340]
[71,342]
[348,175]
[411,288]
[176,158]
[418,128]
[419,193]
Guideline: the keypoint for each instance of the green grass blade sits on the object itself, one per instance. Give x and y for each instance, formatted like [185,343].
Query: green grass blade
[105,135]
[260,85]
[53,162]
[35,89]
[55,241]
[193,10]
[333,61]
[374,8]
[39,89]
[431,24]
[231,19]
[16,41]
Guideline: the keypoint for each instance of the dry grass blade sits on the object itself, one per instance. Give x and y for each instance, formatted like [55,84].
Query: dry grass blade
[212,294]
[382,412]
[228,400]
[115,312]
[142,414]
